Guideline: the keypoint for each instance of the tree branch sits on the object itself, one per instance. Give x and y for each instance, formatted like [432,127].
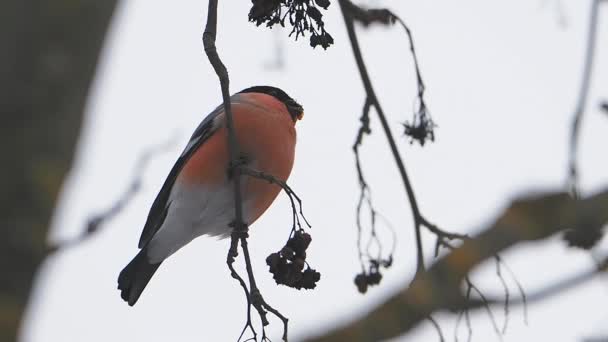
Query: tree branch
[222,73]
[97,221]
[347,12]
[527,219]
[254,296]
[582,97]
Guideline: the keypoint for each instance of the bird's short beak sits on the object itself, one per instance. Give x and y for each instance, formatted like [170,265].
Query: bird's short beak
[301,116]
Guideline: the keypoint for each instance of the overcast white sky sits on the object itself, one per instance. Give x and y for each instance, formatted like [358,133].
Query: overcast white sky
[502,80]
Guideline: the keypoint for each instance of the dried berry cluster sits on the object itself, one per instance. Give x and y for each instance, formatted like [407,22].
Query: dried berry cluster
[287,266]
[303,16]
[421,127]
[373,276]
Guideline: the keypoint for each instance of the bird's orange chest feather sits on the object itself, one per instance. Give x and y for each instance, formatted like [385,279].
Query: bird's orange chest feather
[266,136]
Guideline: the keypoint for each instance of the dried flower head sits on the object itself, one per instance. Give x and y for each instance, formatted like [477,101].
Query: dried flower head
[303,16]
[422,127]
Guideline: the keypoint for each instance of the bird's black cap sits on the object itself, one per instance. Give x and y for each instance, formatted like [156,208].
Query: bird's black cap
[295,109]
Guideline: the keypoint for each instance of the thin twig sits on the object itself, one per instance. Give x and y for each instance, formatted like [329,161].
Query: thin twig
[346,7]
[419,129]
[582,97]
[507,293]
[520,288]
[443,237]
[232,254]
[97,221]
[563,285]
[292,195]
[240,227]
[457,324]
[437,328]
[467,315]
[365,198]
[486,305]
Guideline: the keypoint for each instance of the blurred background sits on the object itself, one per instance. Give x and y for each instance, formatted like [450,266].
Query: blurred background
[502,82]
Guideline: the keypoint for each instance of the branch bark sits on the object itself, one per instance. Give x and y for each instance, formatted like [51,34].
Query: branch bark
[526,220]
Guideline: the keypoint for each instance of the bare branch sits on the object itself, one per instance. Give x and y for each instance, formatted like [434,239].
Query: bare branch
[485,303]
[420,129]
[421,126]
[437,328]
[370,265]
[347,13]
[520,288]
[97,221]
[210,49]
[583,94]
[563,285]
[507,294]
[254,296]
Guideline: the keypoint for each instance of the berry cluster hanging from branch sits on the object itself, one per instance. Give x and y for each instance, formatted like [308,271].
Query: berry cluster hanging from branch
[303,15]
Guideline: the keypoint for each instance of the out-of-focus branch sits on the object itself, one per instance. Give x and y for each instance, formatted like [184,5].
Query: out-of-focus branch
[561,286]
[47,64]
[582,96]
[604,106]
[97,222]
[525,220]
[368,16]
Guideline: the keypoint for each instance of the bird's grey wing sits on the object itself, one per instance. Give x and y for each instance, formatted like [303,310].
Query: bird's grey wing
[159,209]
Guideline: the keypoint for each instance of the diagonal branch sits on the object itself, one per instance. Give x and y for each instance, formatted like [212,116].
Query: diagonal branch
[97,221]
[561,286]
[527,219]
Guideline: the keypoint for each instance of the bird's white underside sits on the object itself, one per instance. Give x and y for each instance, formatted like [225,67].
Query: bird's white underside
[195,211]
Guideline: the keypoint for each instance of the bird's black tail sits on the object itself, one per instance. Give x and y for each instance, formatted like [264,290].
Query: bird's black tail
[135,276]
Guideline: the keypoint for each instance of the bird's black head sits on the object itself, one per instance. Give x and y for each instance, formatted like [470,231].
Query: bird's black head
[295,109]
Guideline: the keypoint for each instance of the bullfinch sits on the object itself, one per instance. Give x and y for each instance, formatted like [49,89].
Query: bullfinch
[197,197]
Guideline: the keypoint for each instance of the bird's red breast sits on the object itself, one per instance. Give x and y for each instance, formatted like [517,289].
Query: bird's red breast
[266,138]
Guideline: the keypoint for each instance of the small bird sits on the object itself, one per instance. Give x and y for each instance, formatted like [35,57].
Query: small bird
[197,197]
